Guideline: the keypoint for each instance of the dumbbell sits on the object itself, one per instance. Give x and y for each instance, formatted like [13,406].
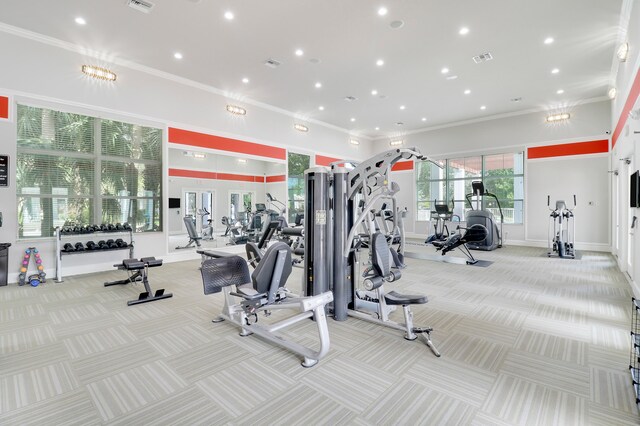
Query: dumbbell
[68,247]
[79,246]
[102,245]
[121,243]
[111,227]
[111,244]
[91,245]
[103,227]
[126,227]
[88,229]
[119,227]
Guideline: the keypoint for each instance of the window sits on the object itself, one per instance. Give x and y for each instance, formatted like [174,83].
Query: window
[298,163]
[74,169]
[502,174]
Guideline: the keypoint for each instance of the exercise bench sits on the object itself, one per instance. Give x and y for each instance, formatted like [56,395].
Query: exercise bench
[138,270]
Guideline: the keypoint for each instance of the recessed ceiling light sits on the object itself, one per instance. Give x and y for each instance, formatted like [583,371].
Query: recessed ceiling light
[466,92]
[396,143]
[80,21]
[483,107]
[228,15]
[318,85]
[559,91]
[353,119]
[623,52]
[299,52]
[199,155]
[354,142]
[233,109]
[402,107]
[424,118]
[463,31]
[382,11]
[300,127]
[548,40]
[374,92]
[242,160]
[380,62]
[177,55]
[321,108]
[444,70]
[245,80]
[377,128]
[555,71]
[558,117]
[612,93]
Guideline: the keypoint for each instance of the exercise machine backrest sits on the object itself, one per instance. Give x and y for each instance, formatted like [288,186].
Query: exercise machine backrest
[265,278]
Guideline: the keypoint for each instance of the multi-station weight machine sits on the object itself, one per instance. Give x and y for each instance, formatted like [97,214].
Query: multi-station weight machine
[339,216]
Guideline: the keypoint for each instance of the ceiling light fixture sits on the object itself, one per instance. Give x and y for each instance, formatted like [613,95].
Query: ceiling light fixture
[466,92]
[463,31]
[299,52]
[402,107]
[612,93]
[560,91]
[242,160]
[548,40]
[444,70]
[99,73]
[245,80]
[300,127]
[353,119]
[199,155]
[424,118]
[177,55]
[80,21]
[483,107]
[228,15]
[623,52]
[354,142]
[555,71]
[382,11]
[380,62]
[374,92]
[377,128]
[452,77]
[321,108]
[233,109]
[558,117]
[396,143]
[318,85]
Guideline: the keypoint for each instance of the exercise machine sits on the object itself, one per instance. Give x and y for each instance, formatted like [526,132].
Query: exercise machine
[440,216]
[194,238]
[561,242]
[246,296]
[207,229]
[474,234]
[333,225]
[138,270]
[484,217]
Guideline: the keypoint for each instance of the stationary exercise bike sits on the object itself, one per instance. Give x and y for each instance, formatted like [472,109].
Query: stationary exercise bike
[207,229]
[561,242]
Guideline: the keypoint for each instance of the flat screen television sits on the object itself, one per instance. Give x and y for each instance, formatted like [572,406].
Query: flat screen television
[634,187]
[174,203]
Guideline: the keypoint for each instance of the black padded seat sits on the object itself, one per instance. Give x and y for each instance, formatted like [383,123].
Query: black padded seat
[395,298]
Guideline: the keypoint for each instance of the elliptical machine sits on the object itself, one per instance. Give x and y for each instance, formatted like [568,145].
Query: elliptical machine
[485,218]
[564,228]
[440,216]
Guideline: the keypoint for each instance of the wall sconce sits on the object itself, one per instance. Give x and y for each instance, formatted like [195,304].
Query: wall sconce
[99,73]
[233,109]
[558,117]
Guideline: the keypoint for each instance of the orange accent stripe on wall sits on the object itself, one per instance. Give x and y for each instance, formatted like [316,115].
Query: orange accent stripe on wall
[561,150]
[276,178]
[4,107]
[402,166]
[187,137]
[322,160]
[197,174]
[628,106]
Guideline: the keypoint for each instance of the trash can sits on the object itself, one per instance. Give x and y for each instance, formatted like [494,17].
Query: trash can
[4,263]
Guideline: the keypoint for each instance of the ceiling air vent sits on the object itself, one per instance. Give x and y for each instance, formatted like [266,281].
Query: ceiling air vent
[484,57]
[272,63]
[141,5]
[350,98]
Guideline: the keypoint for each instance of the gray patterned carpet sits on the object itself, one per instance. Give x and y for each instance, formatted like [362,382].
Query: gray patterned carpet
[526,341]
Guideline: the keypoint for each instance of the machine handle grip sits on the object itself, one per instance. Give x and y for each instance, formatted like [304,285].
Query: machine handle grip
[548,200]
[574,200]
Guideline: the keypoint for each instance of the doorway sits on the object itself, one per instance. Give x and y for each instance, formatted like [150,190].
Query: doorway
[200,205]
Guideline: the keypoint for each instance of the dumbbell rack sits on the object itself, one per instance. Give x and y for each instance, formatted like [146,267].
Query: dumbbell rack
[634,357]
[60,252]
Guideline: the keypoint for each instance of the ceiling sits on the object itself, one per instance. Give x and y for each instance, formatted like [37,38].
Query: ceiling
[347,37]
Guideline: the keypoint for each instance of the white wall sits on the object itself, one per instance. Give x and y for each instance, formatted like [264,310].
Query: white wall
[516,133]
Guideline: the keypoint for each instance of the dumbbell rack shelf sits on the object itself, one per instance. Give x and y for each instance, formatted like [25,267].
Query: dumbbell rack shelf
[634,358]
[60,252]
